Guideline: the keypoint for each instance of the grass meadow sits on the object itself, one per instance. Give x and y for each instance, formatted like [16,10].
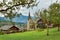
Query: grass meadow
[33,35]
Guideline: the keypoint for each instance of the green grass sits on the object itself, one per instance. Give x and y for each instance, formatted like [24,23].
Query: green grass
[33,35]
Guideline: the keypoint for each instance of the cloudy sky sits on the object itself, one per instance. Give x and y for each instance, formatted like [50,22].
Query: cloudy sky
[42,4]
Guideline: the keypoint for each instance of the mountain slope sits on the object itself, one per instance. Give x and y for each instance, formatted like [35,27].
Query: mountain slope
[22,19]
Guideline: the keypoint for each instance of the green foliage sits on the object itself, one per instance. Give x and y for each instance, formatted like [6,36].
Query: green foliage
[54,13]
[1,33]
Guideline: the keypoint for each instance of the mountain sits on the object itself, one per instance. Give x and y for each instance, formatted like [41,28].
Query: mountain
[2,18]
[20,19]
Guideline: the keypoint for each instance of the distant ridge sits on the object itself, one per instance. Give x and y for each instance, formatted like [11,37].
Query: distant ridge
[20,19]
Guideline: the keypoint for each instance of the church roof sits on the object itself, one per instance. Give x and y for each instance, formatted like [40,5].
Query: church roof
[29,17]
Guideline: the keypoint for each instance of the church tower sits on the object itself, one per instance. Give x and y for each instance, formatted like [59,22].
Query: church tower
[28,22]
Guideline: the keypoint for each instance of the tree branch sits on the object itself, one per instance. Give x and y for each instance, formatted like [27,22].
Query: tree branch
[12,7]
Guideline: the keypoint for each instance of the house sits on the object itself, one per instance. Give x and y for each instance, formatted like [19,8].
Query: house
[9,29]
[40,23]
[43,24]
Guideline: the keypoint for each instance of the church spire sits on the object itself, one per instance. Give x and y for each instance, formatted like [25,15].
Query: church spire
[29,17]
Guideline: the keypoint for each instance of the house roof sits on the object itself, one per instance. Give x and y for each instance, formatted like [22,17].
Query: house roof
[6,27]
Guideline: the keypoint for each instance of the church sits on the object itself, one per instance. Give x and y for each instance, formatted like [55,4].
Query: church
[30,23]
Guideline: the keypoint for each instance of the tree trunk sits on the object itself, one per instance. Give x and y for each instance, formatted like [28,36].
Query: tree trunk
[58,28]
[35,25]
[47,30]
